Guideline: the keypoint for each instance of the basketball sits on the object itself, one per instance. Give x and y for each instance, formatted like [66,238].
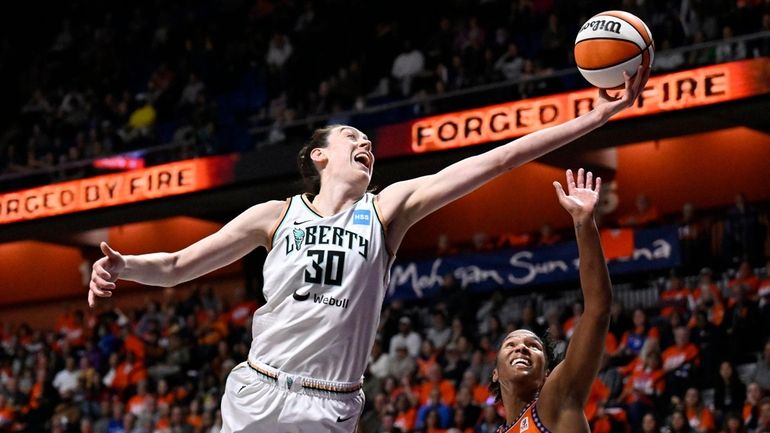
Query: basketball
[612,42]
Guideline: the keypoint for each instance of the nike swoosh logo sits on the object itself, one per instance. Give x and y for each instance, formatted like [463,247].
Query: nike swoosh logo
[344,419]
[298,297]
[296,223]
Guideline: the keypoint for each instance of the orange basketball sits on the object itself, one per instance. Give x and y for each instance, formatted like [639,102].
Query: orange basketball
[612,42]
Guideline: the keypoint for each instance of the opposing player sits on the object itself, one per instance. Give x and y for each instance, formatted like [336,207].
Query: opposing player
[535,398]
[329,255]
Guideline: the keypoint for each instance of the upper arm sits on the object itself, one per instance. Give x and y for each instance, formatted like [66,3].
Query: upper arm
[404,203]
[570,382]
[247,231]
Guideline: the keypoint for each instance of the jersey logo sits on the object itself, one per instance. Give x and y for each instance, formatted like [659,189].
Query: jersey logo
[524,424]
[299,297]
[340,419]
[297,223]
[362,217]
[299,236]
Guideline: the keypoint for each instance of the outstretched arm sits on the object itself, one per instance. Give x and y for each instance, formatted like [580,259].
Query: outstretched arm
[569,384]
[405,203]
[237,238]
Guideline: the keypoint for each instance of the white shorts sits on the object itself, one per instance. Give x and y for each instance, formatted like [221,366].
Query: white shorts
[255,403]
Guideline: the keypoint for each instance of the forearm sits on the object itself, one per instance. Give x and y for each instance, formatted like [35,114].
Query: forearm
[594,277]
[539,143]
[155,269]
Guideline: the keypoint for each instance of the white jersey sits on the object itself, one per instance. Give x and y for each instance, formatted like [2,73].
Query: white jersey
[325,280]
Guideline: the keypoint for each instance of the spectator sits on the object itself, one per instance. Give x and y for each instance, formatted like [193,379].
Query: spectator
[701,418]
[379,361]
[728,50]
[439,333]
[67,379]
[733,424]
[401,364]
[643,388]
[678,423]
[729,391]
[680,362]
[407,66]
[644,213]
[510,64]
[407,337]
[434,405]
[750,411]
[634,339]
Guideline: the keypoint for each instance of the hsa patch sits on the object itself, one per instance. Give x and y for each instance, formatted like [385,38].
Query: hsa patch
[362,217]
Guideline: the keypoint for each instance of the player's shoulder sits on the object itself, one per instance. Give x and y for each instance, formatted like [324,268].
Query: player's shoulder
[266,212]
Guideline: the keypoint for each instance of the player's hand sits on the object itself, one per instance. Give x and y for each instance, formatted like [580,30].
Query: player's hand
[104,273]
[582,194]
[610,105]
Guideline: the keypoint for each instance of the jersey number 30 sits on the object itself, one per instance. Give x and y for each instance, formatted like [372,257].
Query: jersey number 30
[327,267]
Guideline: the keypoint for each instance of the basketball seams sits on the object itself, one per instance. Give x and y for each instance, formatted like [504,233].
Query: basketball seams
[633,21]
[615,41]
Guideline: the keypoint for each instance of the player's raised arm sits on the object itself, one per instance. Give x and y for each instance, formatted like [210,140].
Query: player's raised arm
[405,203]
[237,238]
[567,388]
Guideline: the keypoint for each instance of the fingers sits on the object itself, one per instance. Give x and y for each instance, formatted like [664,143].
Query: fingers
[107,251]
[95,291]
[570,182]
[101,273]
[559,191]
[589,180]
[598,186]
[581,178]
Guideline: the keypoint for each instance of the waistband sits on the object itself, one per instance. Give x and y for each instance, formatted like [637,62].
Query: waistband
[307,385]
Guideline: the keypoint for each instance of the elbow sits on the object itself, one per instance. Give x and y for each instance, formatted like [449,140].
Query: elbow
[171,275]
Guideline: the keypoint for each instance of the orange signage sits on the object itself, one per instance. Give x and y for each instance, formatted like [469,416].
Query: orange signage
[675,91]
[116,189]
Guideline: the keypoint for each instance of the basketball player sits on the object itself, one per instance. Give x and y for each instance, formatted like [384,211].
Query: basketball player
[538,400]
[329,255]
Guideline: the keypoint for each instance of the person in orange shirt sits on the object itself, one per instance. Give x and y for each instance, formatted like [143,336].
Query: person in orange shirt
[137,404]
[643,387]
[436,381]
[644,214]
[479,392]
[129,372]
[701,418]
[706,284]
[674,297]
[406,415]
[547,236]
[595,415]
[535,397]
[750,412]
[132,343]
[570,323]
[7,414]
[680,362]
[163,394]
[426,359]
[746,277]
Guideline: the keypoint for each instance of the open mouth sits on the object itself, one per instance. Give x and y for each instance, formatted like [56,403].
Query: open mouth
[521,361]
[364,159]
